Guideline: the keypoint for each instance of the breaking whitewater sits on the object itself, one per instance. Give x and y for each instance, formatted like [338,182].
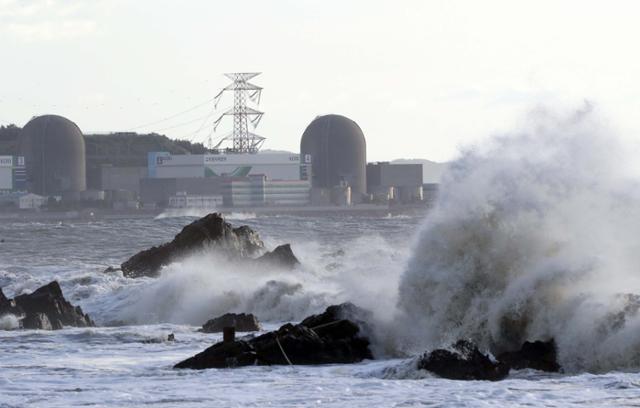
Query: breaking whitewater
[535,236]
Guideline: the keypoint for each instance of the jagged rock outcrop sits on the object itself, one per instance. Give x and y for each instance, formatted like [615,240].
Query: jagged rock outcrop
[45,309]
[463,362]
[282,256]
[334,340]
[212,230]
[538,355]
[243,322]
[209,230]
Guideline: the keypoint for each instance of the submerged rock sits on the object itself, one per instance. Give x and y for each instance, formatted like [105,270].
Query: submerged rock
[242,322]
[538,355]
[211,230]
[45,309]
[463,362]
[334,341]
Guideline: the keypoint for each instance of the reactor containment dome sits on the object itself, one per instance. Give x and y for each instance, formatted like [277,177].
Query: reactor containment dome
[54,152]
[338,153]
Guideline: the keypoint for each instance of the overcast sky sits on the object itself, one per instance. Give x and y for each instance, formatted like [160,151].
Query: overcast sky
[421,78]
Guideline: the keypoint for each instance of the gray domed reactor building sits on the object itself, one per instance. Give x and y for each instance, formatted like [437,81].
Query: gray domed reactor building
[54,152]
[338,153]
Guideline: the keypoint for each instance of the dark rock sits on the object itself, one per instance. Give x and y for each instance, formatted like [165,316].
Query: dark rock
[242,322]
[281,256]
[44,309]
[343,311]
[8,306]
[335,341]
[111,269]
[39,321]
[222,355]
[171,337]
[5,302]
[239,243]
[210,230]
[50,302]
[463,362]
[538,355]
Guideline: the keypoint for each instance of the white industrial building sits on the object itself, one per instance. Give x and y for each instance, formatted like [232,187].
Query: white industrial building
[31,201]
[254,191]
[275,166]
[12,174]
[241,179]
[184,200]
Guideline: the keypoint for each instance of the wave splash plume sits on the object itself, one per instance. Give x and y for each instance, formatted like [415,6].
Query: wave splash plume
[534,236]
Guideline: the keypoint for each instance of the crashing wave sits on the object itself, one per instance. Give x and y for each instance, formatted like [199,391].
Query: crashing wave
[535,236]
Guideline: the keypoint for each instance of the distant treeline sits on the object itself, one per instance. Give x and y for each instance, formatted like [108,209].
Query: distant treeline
[130,149]
[9,140]
[119,149]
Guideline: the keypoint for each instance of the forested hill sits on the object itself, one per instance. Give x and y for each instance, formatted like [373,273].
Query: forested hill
[120,149]
[130,149]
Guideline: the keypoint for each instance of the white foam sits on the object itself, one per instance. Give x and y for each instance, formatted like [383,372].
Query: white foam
[201,212]
[184,212]
[9,322]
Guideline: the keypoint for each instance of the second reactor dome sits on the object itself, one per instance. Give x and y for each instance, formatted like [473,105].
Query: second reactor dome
[54,152]
[338,153]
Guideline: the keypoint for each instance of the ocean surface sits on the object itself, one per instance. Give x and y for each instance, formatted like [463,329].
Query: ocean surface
[126,360]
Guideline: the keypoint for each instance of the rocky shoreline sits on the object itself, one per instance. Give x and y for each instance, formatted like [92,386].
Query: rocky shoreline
[327,338]
[44,309]
[339,335]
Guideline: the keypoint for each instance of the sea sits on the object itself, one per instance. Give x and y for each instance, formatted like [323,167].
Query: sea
[127,361]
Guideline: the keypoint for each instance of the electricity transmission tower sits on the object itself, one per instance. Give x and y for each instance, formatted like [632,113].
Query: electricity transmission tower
[243,140]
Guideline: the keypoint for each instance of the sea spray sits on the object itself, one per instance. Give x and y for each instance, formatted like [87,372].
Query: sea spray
[195,212]
[207,284]
[9,322]
[535,235]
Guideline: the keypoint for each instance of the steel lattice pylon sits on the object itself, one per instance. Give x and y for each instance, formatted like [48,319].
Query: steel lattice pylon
[243,140]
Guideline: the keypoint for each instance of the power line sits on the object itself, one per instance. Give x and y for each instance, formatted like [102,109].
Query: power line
[204,122]
[173,116]
[183,123]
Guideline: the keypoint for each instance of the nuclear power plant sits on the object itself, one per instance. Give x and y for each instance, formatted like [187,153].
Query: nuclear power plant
[54,153]
[53,159]
[336,148]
